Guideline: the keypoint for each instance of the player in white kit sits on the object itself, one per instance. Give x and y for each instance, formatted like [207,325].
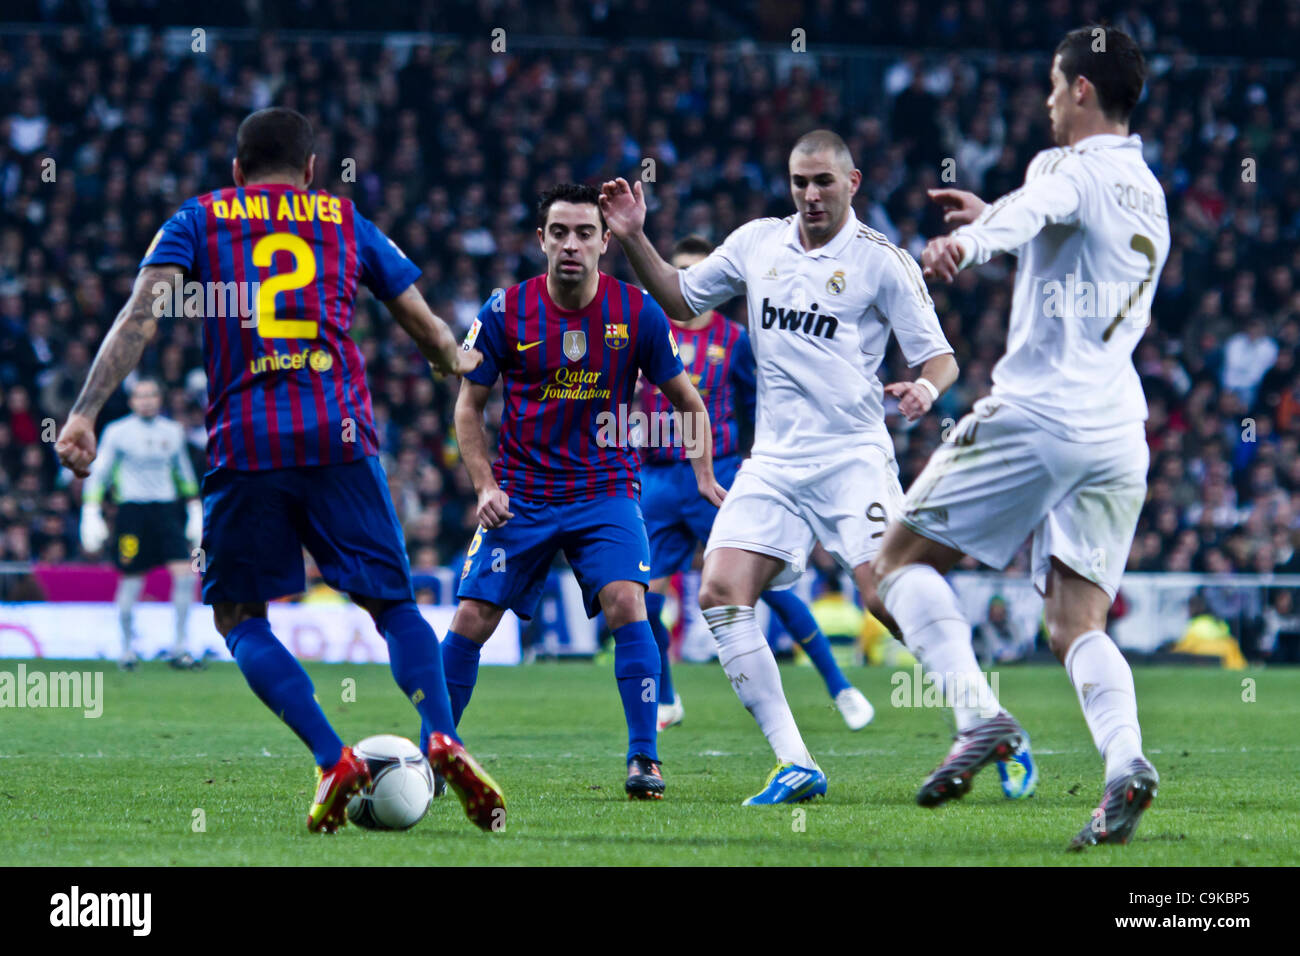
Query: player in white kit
[1058,451]
[824,293]
[144,462]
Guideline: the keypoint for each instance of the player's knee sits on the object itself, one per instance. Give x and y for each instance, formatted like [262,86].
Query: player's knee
[717,591]
[623,603]
[476,620]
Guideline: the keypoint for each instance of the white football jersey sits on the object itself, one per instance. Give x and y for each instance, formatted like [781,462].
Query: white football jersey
[819,321]
[142,459]
[1092,233]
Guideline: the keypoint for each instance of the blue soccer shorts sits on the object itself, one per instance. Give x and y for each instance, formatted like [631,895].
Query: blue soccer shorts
[256,523]
[677,516]
[604,540]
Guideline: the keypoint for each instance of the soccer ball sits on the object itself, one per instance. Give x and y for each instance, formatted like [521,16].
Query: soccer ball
[401,784]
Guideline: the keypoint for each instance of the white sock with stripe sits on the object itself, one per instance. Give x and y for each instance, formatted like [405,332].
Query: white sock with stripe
[748,662]
[937,632]
[1103,682]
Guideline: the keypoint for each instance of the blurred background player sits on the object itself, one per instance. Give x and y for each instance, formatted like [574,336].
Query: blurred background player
[569,346]
[291,437]
[145,462]
[1058,451]
[716,354]
[824,294]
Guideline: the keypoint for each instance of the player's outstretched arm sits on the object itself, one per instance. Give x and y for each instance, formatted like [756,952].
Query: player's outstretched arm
[697,434]
[432,335]
[624,209]
[915,398]
[493,503]
[119,353]
[960,208]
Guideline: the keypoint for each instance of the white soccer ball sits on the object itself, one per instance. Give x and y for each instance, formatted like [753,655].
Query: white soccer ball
[401,784]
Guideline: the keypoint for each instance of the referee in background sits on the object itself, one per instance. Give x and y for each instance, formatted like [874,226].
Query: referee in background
[144,460]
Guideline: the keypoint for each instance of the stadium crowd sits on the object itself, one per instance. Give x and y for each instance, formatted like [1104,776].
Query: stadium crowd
[106,131]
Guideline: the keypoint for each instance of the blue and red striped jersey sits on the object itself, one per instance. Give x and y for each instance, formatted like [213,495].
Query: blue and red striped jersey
[277,269]
[720,361]
[567,376]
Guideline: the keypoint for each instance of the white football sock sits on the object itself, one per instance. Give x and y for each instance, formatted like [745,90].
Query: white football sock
[128,592]
[748,662]
[1104,683]
[182,598]
[937,632]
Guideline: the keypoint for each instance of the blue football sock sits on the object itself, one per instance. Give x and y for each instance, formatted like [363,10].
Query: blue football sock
[636,665]
[279,681]
[416,663]
[654,608]
[798,620]
[460,661]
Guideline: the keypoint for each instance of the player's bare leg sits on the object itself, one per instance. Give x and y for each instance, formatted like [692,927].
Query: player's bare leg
[636,667]
[909,577]
[732,582]
[1076,610]
[182,576]
[128,593]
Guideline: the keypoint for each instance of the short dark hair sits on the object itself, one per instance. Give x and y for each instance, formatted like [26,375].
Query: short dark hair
[276,139]
[1117,70]
[825,141]
[691,246]
[568,192]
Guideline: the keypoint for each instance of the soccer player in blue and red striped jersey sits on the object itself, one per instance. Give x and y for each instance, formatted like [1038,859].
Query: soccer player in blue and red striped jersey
[717,355]
[291,437]
[569,346]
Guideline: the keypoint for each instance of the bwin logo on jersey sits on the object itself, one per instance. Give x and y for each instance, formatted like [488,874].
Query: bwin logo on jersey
[812,322]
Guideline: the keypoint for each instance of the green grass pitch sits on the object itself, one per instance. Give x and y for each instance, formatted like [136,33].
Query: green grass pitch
[124,788]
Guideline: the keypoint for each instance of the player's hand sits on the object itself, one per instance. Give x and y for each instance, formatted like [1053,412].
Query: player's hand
[493,508]
[467,360]
[941,258]
[960,207]
[623,207]
[913,400]
[94,532]
[75,445]
[713,492]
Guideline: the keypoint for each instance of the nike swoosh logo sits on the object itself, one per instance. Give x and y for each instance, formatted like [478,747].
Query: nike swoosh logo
[643,566]
[520,346]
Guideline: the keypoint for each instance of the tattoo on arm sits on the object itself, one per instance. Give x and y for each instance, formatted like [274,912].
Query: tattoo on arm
[120,352]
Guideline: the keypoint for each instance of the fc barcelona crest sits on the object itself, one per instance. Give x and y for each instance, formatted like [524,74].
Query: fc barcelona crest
[616,334]
[575,345]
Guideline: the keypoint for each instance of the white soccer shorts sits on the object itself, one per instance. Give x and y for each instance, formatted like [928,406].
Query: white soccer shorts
[1000,477]
[782,510]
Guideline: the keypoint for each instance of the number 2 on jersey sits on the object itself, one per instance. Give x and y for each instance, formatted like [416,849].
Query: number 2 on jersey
[304,272]
[1142,244]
